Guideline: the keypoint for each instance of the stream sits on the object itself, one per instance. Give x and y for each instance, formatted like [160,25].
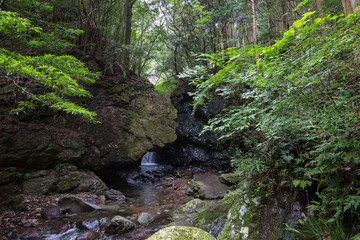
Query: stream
[150,188]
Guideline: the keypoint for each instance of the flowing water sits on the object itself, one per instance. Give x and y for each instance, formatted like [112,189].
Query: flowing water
[151,195]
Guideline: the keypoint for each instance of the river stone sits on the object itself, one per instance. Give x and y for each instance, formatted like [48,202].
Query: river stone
[114,195]
[118,225]
[74,205]
[181,233]
[89,235]
[145,218]
[51,212]
[208,186]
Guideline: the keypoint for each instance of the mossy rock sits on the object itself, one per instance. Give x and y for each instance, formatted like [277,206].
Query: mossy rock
[208,186]
[184,214]
[181,233]
[216,212]
[231,179]
[58,181]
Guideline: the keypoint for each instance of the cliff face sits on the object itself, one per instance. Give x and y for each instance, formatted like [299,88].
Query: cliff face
[191,147]
[134,120]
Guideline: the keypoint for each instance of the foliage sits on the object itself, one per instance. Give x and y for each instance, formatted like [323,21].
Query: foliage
[59,76]
[297,112]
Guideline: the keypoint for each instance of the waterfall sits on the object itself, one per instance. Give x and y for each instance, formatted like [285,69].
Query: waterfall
[149,159]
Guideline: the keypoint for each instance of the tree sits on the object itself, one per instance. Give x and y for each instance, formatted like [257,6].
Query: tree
[46,79]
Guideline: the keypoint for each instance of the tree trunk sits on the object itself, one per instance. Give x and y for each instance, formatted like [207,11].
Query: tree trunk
[284,17]
[318,5]
[348,7]
[128,18]
[254,22]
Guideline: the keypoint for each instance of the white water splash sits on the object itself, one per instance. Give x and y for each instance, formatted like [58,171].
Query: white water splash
[149,159]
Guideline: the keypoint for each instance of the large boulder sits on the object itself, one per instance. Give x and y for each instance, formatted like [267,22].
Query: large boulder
[61,181]
[180,233]
[134,119]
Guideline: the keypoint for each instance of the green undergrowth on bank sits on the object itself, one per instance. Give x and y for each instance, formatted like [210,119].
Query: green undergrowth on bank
[295,124]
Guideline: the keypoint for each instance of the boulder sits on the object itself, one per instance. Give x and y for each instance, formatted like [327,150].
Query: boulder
[74,205]
[208,186]
[59,181]
[134,119]
[114,195]
[180,233]
[51,212]
[118,225]
[145,218]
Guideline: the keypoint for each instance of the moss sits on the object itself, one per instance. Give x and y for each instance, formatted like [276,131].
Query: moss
[119,92]
[181,233]
[231,178]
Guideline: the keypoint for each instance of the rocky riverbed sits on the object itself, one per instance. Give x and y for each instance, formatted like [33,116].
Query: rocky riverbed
[22,214]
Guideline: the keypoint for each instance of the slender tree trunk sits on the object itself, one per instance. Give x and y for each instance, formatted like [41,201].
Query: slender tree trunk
[319,5]
[348,7]
[254,27]
[128,18]
[254,21]
[284,17]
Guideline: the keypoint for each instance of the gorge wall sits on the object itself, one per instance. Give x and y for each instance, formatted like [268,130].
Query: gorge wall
[191,147]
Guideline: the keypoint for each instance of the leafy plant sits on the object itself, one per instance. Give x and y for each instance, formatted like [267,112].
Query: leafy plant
[296,113]
[59,76]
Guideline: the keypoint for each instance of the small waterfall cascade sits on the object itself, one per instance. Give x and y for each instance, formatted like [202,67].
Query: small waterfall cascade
[149,159]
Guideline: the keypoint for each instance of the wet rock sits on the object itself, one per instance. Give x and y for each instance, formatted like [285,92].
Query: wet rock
[208,186]
[184,214]
[118,225]
[145,218]
[114,195]
[93,225]
[74,205]
[181,232]
[30,223]
[51,212]
[192,148]
[58,181]
[90,235]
